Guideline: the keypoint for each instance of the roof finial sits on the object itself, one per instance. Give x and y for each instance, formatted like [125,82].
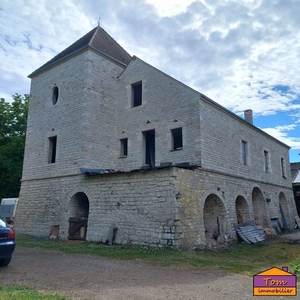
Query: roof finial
[99,22]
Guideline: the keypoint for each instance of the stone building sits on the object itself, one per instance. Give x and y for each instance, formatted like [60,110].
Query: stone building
[113,140]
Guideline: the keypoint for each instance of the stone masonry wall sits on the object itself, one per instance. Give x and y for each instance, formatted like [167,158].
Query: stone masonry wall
[61,120]
[141,205]
[166,104]
[82,119]
[222,134]
[157,208]
[195,187]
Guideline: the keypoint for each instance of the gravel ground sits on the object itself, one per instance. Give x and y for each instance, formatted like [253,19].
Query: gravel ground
[91,277]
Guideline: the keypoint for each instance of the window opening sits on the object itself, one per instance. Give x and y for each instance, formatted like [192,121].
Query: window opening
[52,149]
[176,139]
[266,161]
[55,94]
[283,167]
[124,147]
[137,94]
[149,142]
[244,152]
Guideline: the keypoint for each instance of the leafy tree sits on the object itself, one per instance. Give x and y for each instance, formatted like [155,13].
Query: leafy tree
[13,121]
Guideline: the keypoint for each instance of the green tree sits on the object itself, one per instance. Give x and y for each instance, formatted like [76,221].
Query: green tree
[13,121]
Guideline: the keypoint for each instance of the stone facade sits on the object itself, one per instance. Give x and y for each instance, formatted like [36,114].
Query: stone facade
[206,168]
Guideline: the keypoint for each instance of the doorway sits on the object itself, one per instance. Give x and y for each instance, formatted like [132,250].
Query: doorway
[78,216]
[149,146]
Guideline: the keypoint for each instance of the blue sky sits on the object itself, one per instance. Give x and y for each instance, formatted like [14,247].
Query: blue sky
[243,54]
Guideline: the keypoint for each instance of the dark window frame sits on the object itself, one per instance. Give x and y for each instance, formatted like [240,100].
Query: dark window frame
[52,149]
[149,147]
[245,152]
[55,95]
[177,140]
[266,161]
[137,94]
[283,170]
[124,147]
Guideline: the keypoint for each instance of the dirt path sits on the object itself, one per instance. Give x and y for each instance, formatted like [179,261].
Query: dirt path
[91,277]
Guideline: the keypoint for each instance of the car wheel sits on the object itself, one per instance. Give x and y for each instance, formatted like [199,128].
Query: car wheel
[4,262]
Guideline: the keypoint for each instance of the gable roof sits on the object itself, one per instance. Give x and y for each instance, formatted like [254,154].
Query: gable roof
[98,40]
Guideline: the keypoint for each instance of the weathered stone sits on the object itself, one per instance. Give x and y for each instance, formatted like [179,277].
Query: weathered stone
[112,232]
[168,206]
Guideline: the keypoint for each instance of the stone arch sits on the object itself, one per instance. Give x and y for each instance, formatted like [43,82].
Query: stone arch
[242,210]
[284,210]
[79,207]
[260,212]
[215,220]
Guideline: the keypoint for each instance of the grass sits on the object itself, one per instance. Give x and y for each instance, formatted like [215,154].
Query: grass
[240,258]
[25,293]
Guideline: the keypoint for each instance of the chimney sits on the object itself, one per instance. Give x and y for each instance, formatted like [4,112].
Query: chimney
[248,116]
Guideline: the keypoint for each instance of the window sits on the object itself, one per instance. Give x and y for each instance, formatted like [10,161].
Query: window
[266,161]
[136,94]
[55,94]
[176,138]
[282,162]
[244,153]
[124,147]
[52,150]
[149,148]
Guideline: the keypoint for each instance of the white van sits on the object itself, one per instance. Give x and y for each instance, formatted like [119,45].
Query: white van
[8,209]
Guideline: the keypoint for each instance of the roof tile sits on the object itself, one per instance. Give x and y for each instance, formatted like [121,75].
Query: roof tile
[97,39]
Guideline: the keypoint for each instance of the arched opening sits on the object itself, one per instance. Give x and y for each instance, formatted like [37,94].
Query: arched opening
[55,94]
[78,216]
[242,210]
[215,220]
[260,209]
[284,212]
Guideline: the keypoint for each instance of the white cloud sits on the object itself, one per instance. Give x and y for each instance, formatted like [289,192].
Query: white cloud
[233,51]
[237,52]
[281,133]
[170,8]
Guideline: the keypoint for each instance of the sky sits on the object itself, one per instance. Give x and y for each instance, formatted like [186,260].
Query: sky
[243,54]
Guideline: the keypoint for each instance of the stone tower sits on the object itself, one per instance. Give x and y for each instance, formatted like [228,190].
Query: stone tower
[71,123]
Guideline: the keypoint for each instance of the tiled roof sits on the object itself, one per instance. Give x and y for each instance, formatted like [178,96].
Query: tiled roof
[97,39]
[106,44]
